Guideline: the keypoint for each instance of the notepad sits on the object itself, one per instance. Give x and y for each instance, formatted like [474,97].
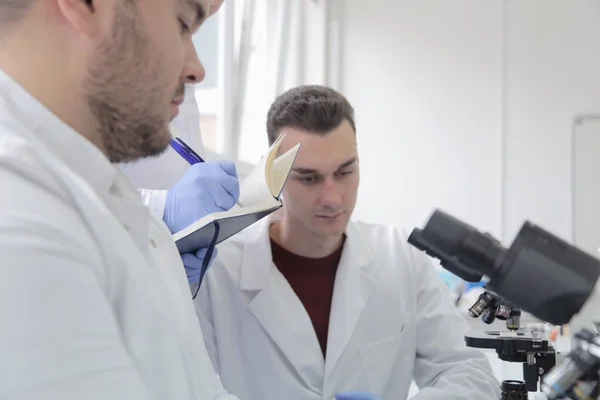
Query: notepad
[260,195]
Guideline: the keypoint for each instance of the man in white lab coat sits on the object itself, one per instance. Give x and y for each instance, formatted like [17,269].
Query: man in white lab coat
[93,297]
[311,304]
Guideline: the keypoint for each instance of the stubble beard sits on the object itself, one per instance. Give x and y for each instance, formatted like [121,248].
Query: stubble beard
[123,92]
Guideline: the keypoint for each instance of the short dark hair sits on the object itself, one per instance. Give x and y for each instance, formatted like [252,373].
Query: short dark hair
[13,11]
[313,108]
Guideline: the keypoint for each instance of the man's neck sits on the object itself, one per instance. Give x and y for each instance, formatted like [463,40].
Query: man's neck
[301,242]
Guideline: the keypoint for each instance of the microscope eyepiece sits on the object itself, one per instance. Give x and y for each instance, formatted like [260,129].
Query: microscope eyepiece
[460,248]
[569,274]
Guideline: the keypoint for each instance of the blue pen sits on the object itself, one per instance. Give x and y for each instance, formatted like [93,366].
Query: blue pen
[185,151]
[188,154]
[190,151]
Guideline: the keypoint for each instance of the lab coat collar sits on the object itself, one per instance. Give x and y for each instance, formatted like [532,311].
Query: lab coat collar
[255,272]
[254,275]
[74,150]
[282,314]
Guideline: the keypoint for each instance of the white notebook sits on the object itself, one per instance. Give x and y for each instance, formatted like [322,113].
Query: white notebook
[260,195]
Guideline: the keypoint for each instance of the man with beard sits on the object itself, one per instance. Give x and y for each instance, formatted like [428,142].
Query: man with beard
[93,295]
[177,192]
[154,175]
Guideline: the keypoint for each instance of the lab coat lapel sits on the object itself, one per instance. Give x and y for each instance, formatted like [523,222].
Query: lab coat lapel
[354,284]
[278,309]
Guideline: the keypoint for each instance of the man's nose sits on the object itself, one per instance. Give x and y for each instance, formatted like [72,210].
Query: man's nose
[193,70]
[330,192]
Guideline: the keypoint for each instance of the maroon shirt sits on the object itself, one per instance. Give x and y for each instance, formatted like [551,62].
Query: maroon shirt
[312,280]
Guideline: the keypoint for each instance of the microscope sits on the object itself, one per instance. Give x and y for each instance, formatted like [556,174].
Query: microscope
[544,276]
[513,344]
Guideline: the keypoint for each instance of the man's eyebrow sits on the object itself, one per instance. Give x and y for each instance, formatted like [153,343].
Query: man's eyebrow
[307,171]
[200,12]
[348,163]
[304,171]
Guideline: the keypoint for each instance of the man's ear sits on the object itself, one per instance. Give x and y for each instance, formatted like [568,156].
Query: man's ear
[85,16]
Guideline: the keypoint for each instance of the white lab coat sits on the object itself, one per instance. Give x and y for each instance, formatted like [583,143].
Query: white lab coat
[94,299]
[392,320]
[154,175]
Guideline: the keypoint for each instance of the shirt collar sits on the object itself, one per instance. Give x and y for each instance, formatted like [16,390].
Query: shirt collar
[79,154]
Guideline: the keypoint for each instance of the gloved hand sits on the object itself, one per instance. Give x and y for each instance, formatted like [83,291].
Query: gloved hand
[193,265]
[355,395]
[204,188]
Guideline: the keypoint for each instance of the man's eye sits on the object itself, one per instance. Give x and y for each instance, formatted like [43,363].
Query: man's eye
[345,172]
[308,179]
[183,26]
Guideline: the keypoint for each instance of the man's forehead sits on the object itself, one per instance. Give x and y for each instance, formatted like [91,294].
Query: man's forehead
[338,139]
[324,159]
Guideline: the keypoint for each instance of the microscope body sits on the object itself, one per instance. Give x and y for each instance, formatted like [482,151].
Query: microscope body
[565,281]
[513,344]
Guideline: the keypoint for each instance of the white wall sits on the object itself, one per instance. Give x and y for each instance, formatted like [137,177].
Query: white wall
[425,79]
[553,75]
[467,105]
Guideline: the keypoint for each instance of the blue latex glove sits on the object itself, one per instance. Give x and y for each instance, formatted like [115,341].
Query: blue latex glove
[356,395]
[193,265]
[205,188]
